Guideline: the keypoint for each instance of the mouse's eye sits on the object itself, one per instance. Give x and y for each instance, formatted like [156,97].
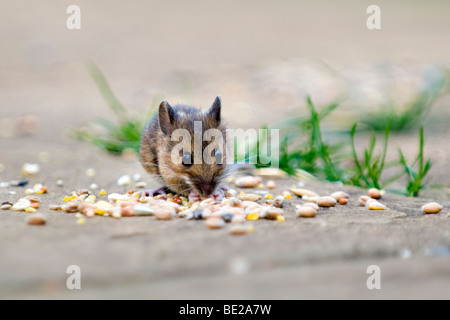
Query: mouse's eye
[186,159]
[218,156]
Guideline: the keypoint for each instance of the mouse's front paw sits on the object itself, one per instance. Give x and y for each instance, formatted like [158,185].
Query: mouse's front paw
[219,193]
[153,192]
[194,196]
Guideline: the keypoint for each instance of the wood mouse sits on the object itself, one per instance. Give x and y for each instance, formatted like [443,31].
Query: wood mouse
[187,178]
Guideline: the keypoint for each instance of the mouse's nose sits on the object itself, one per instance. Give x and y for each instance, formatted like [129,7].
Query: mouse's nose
[205,187]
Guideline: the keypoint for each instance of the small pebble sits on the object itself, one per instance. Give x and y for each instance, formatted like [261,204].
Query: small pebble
[60,183]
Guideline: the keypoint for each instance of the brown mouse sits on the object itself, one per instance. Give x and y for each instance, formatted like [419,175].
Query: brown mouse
[187,177]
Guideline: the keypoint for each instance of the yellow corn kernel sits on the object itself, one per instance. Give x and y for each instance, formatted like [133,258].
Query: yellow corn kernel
[80,221]
[102,192]
[280,218]
[251,229]
[30,210]
[253,216]
[90,199]
[269,196]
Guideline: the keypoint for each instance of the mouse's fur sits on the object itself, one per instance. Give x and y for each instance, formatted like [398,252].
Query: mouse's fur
[156,147]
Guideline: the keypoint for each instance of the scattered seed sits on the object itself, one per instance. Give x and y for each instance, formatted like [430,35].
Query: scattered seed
[36,219]
[306,212]
[227,217]
[238,219]
[93,186]
[364,199]
[164,213]
[272,213]
[269,196]
[432,207]
[71,207]
[6,206]
[142,210]
[54,207]
[102,207]
[249,197]
[30,210]
[248,182]
[90,172]
[271,184]
[124,180]
[271,173]
[326,201]
[312,205]
[340,195]
[198,214]
[281,218]
[240,229]
[253,216]
[81,221]
[59,182]
[215,223]
[343,201]
[30,169]
[375,205]
[374,193]
[304,192]
[140,185]
[21,205]
[287,194]
[18,183]
[102,192]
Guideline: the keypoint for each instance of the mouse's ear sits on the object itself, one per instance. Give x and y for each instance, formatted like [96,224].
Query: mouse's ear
[166,117]
[214,111]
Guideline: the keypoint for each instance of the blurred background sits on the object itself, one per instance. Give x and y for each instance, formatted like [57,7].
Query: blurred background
[262,57]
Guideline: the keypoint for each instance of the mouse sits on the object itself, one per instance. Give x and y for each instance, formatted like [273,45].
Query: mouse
[186,177]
